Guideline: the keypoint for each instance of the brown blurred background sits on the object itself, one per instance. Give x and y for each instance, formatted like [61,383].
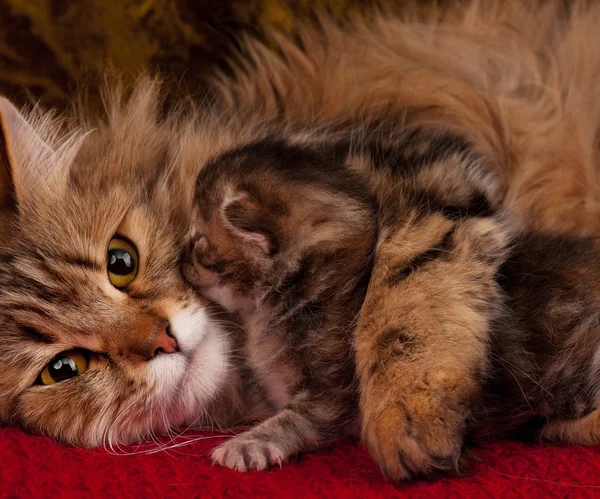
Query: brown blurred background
[50,47]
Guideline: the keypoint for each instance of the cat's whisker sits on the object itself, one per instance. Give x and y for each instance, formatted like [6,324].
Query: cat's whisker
[504,361]
[109,433]
[185,441]
[525,397]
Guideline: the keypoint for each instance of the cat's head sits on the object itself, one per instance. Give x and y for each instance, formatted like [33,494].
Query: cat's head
[100,340]
[277,220]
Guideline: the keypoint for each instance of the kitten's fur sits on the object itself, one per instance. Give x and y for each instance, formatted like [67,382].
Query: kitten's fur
[285,236]
[517,79]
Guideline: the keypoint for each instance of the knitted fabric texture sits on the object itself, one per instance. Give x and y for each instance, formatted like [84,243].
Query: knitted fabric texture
[35,466]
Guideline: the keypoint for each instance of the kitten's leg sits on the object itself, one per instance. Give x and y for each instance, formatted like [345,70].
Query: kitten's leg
[581,431]
[421,341]
[300,427]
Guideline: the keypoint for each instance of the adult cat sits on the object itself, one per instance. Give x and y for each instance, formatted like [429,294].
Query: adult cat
[90,291]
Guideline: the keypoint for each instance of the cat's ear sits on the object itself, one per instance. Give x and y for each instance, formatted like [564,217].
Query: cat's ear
[248,220]
[25,159]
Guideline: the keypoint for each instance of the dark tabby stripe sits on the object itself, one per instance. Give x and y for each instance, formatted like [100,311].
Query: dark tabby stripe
[35,335]
[81,261]
[440,250]
[26,332]
[6,259]
[400,163]
[33,310]
[20,283]
[429,202]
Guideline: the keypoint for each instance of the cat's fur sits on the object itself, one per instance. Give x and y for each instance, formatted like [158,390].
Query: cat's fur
[466,328]
[517,80]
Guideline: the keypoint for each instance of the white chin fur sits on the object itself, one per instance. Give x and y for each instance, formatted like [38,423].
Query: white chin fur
[186,382]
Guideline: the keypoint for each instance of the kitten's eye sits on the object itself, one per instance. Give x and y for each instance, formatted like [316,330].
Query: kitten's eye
[65,365]
[122,262]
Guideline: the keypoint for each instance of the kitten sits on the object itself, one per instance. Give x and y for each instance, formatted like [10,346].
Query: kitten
[286,235]
[517,79]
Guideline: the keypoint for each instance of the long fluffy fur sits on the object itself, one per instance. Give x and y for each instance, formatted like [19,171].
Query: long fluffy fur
[518,77]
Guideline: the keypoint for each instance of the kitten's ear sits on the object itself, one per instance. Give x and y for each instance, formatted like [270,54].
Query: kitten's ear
[248,220]
[25,159]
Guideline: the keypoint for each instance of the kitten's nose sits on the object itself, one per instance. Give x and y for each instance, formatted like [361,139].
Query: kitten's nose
[164,342]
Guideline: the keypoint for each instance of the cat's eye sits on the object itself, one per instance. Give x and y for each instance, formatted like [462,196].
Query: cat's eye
[65,365]
[122,262]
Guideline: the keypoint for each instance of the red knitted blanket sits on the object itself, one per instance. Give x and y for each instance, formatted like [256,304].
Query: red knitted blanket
[34,466]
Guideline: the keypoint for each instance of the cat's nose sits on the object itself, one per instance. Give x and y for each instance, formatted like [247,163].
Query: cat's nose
[164,342]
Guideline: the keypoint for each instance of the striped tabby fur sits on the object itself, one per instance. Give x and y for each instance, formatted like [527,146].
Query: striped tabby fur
[474,133]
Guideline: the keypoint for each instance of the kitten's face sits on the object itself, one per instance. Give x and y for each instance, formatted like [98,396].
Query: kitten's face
[269,215]
[235,254]
[100,340]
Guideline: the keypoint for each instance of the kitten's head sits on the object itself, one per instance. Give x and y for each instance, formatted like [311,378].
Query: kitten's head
[100,340]
[274,218]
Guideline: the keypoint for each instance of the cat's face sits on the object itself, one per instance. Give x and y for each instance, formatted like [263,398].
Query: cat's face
[101,342]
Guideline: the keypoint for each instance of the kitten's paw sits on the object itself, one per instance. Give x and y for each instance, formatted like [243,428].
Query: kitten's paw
[244,454]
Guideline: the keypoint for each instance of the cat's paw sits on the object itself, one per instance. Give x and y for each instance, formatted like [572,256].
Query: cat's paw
[245,454]
[417,436]
[403,454]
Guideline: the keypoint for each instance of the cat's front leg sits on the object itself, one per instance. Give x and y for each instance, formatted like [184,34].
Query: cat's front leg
[300,427]
[421,341]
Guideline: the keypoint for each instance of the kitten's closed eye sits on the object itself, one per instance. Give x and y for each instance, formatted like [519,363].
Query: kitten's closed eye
[200,253]
[197,268]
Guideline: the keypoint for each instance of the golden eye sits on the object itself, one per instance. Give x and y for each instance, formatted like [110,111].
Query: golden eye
[121,263]
[65,365]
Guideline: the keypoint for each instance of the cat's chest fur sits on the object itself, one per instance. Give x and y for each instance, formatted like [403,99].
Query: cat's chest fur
[269,358]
